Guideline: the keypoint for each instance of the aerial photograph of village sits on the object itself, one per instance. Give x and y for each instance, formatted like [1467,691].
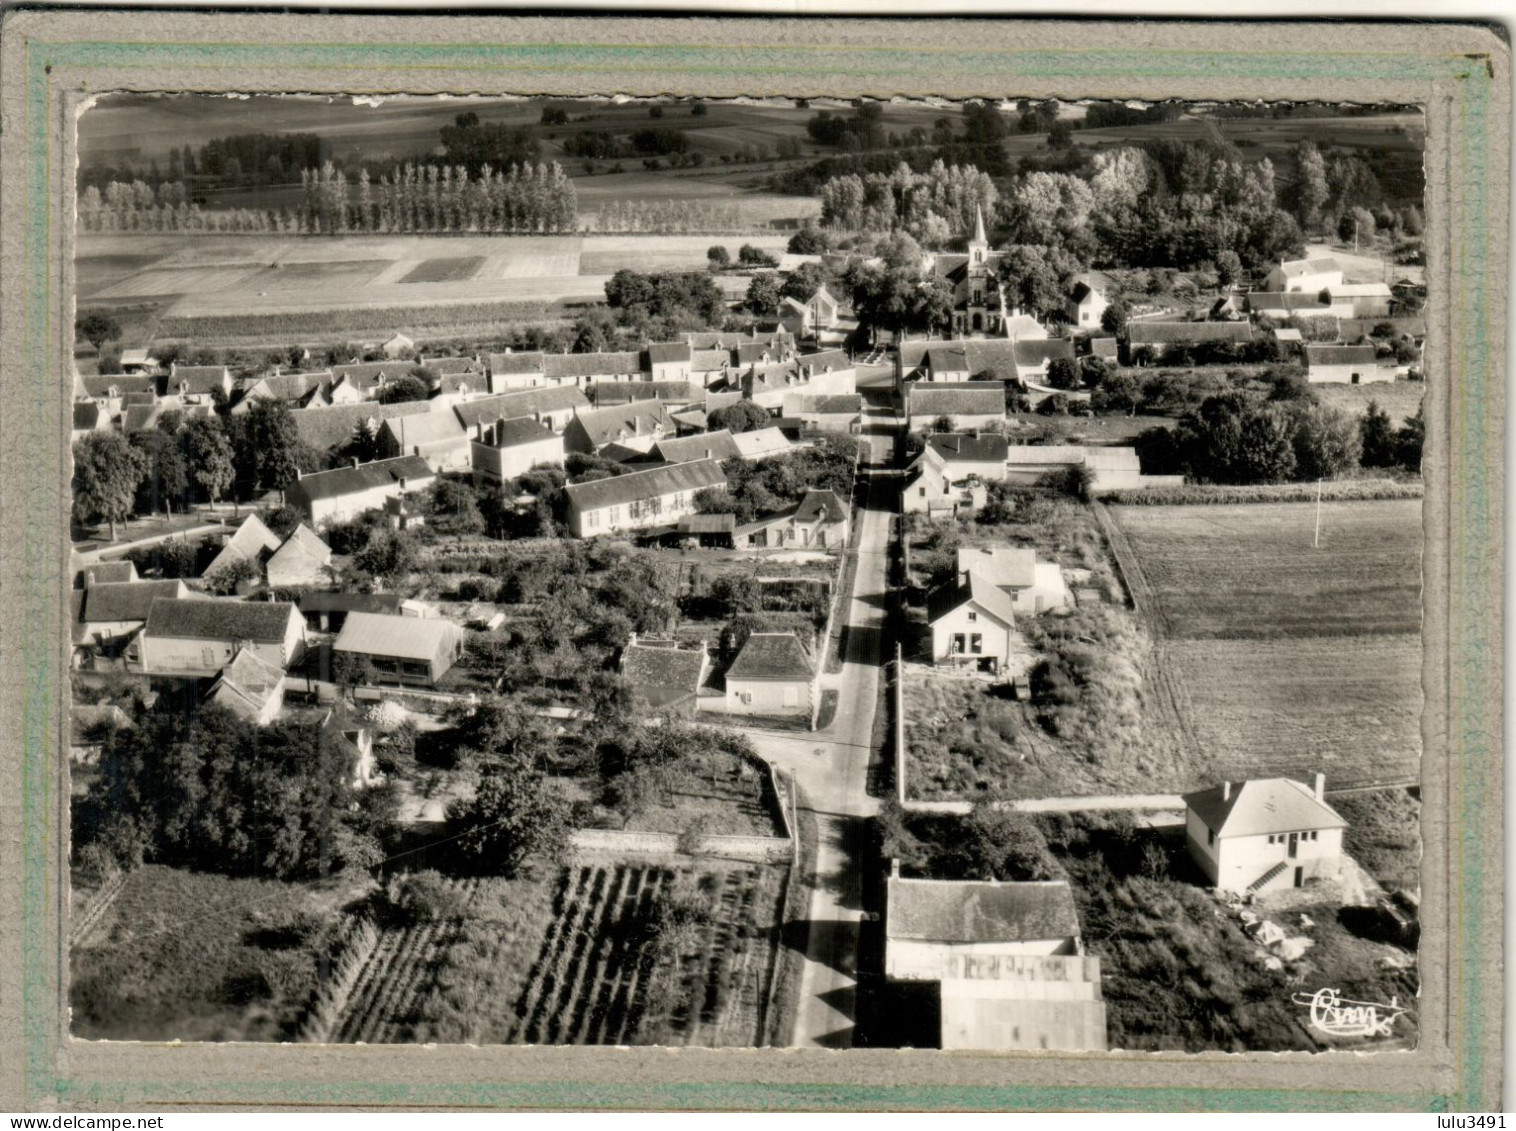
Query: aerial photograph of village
[788,573]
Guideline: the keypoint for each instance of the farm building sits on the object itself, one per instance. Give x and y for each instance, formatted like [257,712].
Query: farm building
[508,448]
[88,417]
[457,388]
[199,636]
[963,454]
[633,424]
[250,687]
[397,346]
[346,492]
[972,621]
[639,499]
[114,610]
[302,560]
[437,437]
[109,391]
[1368,300]
[510,371]
[967,406]
[1255,836]
[138,361]
[819,520]
[326,428]
[1033,586]
[1352,329]
[1345,365]
[773,676]
[1310,275]
[1107,349]
[928,923]
[1034,358]
[251,542]
[1085,305]
[674,394]
[553,405]
[405,651]
[346,732]
[665,677]
[327,612]
[1162,337]
[1110,468]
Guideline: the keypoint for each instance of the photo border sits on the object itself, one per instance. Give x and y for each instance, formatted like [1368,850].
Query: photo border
[1459,74]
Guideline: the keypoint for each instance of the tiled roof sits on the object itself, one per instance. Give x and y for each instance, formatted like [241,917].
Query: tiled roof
[965,447]
[365,477]
[647,667]
[524,402]
[708,361]
[969,587]
[406,638]
[821,506]
[772,655]
[1103,347]
[204,618]
[1166,333]
[246,684]
[424,428]
[198,378]
[603,425]
[708,445]
[1034,352]
[103,572]
[1340,355]
[931,398]
[664,353]
[1320,266]
[366,374]
[329,427]
[86,416]
[350,603]
[303,542]
[1001,565]
[451,366]
[831,404]
[101,385]
[527,361]
[561,365]
[514,433]
[1284,300]
[125,600]
[760,442]
[837,359]
[1261,806]
[637,485]
[979,911]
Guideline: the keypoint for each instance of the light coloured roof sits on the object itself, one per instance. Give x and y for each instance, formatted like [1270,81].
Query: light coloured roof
[247,684]
[425,428]
[1262,806]
[695,475]
[1003,565]
[302,542]
[970,587]
[720,444]
[761,442]
[1163,333]
[404,638]
[602,425]
[526,402]
[1360,290]
[1340,355]
[1321,265]
[979,911]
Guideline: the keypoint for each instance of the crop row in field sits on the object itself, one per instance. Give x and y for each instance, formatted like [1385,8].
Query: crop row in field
[448,270]
[334,325]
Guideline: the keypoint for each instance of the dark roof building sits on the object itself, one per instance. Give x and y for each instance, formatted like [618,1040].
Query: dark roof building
[363,477]
[1176,333]
[573,366]
[113,601]
[966,447]
[979,911]
[511,362]
[664,676]
[524,402]
[204,618]
[772,655]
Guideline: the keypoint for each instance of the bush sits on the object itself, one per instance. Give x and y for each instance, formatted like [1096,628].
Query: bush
[423,897]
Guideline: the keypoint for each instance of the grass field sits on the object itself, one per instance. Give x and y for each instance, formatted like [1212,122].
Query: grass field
[192,956]
[1283,659]
[1399,399]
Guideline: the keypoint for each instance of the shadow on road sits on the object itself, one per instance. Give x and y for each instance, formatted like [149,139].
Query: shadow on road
[861,644]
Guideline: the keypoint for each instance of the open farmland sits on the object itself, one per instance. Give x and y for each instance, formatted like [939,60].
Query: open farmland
[1285,659]
[598,952]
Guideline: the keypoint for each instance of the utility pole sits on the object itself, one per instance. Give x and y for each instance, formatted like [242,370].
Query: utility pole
[1317,543]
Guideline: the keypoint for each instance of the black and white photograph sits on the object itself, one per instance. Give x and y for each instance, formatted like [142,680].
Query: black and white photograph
[747,573]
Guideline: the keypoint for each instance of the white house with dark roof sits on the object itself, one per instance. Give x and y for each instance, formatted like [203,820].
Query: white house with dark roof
[634,424]
[88,417]
[199,636]
[196,384]
[1255,836]
[668,361]
[404,651]
[719,445]
[554,405]
[587,368]
[968,406]
[252,541]
[507,448]
[343,493]
[1295,304]
[972,622]
[639,499]
[1311,275]
[112,611]
[1161,337]
[819,521]
[1033,586]
[1086,304]
[250,687]
[813,315]
[438,437]
[839,412]
[965,454]
[513,370]
[1344,365]
[773,676]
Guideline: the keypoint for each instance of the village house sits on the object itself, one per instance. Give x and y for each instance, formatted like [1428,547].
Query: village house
[199,636]
[1344,365]
[101,573]
[368,378]
[345,731]
[1160,338]
[507,448]
[671,394]
[250,687]
[1085,305]
[510,371]
[1033,586]
[197,385]
[403,651]
[662,675]
[109,391]
[327,612]
[334,427]
[950,473]
[437,437]
[773,676]
[972,621]
[343,493]
[809,317]
[1006,958]
[397,346]
[668,361]
[635,424]
[966,407]
[718,445]
[1310,275]
[554,405]
[298,390]
[302,561]
[840,412]
[252,542]
[458,388]
[818,521]
[1255,836]
[587,368]
[88,417]
[112,611]
[639,499]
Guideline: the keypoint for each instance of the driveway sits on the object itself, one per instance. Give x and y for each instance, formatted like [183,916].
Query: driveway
[831,768]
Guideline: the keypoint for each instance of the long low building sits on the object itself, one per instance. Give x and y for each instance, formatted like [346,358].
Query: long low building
[640,499]
[343,493]
[408,651]
[199,636]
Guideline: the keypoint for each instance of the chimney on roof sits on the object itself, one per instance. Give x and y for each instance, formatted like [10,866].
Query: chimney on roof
[1226,791]
[1319,787]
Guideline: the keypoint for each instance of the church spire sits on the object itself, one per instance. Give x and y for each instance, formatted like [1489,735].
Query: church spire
[979,236]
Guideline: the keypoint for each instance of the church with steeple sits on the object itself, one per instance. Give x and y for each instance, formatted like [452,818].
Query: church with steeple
[974,277]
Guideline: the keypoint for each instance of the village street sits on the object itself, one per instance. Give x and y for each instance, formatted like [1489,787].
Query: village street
[831,769]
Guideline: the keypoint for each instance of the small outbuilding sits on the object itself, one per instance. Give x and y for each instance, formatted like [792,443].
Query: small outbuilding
[408,651]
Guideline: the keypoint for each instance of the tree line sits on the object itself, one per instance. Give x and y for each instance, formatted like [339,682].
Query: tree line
[673,216]
[933,206]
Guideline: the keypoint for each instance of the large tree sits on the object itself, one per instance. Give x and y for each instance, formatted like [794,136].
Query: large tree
[516,813]
[1310,192]
[97,328]
[107,472]
[1037,277]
